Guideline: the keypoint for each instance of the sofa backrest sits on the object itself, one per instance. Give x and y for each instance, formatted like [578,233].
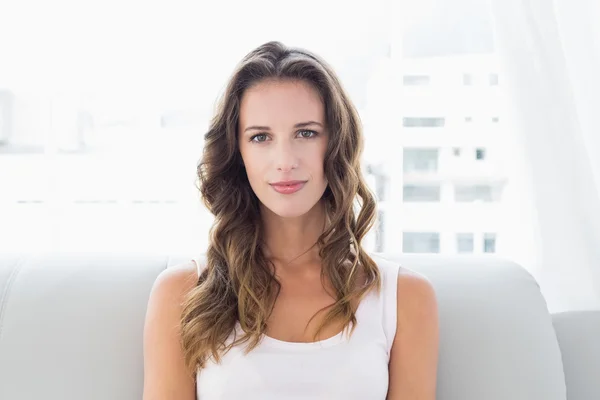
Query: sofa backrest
[497,341]
[71,327]
[578,334]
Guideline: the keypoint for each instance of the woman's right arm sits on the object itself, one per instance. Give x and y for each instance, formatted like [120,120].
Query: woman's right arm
[165,374]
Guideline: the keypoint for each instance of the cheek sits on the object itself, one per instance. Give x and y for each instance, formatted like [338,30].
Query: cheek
[319,162]
[253,164]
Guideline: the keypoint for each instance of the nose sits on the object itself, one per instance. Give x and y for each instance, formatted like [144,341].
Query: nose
[285,157]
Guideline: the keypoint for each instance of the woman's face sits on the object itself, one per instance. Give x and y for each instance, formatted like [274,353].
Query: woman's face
[282,139]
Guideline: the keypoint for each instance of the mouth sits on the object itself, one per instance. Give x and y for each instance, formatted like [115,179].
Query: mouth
[288,187]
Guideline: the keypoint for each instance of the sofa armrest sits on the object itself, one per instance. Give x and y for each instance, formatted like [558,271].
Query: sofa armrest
[578,334]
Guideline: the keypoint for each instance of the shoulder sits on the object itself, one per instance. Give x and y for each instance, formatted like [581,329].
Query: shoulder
[414,353]
[417,300]
[175,281]
[413,290]
[165,371]
[412,282]
[168,293]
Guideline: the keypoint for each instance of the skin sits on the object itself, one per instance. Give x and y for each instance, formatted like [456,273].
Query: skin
[278,151]
[281,152]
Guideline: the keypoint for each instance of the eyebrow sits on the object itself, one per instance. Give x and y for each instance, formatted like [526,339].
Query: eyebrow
[298,125]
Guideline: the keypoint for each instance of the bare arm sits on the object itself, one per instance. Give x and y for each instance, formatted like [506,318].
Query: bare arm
[414,355]
[165,374]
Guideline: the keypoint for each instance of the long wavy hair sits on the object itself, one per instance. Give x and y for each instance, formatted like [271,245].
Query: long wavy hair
[238,282]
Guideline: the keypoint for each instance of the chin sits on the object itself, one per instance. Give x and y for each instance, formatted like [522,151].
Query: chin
[285,208]
[289,207]
[289,212]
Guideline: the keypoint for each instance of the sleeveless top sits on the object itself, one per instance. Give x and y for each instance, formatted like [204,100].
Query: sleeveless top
[339,367]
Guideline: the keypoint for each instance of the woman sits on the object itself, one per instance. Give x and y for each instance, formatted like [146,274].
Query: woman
[287,304]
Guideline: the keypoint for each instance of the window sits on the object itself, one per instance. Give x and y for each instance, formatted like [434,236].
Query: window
[467,79]
[495,120]
[445,73]
[6,114]
[380,187]
[180,119]
[480,154]
[421,242]
[421,193]
[489,242]
[470,193]
[493,79]
[464,243]
[423,122]
[380,231]
[420,160]
[380,180]
[415,80]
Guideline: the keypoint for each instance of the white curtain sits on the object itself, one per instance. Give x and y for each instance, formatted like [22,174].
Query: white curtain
[550,59]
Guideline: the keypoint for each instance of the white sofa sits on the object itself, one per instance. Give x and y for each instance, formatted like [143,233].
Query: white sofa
[71,329]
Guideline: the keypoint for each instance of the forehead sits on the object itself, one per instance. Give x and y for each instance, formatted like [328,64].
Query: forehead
[278,102]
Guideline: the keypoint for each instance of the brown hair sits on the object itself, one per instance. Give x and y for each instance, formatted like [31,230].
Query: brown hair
[238,283]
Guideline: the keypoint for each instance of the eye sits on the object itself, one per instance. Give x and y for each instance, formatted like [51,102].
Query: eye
[261,137]
[307,134]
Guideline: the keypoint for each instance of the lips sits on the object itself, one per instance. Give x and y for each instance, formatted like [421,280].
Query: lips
[288,187]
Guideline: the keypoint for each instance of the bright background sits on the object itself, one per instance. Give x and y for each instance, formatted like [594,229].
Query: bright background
[480,135]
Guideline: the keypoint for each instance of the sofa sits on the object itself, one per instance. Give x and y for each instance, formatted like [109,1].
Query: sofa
[71,328]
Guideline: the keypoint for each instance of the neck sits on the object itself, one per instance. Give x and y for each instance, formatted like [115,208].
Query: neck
[292,241]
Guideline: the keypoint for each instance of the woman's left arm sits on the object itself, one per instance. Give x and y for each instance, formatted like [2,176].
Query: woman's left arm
[414,354]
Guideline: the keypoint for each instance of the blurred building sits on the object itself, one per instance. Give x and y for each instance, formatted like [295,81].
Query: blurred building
[436,148]
[452,155]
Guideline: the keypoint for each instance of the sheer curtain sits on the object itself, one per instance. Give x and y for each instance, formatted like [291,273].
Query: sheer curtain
[550,54]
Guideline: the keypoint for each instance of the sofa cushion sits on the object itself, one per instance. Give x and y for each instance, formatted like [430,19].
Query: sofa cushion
[71,325]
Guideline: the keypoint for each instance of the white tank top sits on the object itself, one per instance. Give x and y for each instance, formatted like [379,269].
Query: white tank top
[336,368]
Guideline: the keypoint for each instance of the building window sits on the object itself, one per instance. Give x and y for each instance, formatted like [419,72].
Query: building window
[489,242]
[420,160]
[465,243]
[6,116]
[379,180]
[456,151]
[415,80]
[467,79]
[495,120]
[423,122]
[470,193]
[493,79]
[480,154]
[380,232]
[421,242]
[468,119]
[421,193]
